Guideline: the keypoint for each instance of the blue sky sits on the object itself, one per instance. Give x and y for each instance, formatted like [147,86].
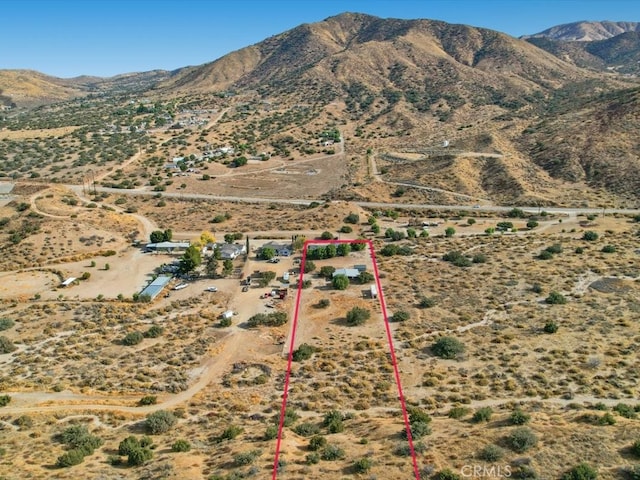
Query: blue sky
[104,38]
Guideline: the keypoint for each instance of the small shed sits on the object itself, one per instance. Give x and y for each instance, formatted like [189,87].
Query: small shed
[374,291]
[68,282]
[227,315]
[285,277]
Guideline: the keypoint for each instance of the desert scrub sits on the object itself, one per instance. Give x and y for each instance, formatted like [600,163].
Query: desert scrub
[160,422]
[448,348]
[522,439]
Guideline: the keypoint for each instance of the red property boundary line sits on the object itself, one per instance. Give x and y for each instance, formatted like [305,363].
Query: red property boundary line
[294,328]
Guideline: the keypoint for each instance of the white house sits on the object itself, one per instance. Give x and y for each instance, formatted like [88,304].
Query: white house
[230,251]
[348,272]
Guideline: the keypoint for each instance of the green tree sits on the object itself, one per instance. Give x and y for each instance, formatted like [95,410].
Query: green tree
[267,253]
[139,456]
[127,445]
[309,266]
[160,421]
[352,218]
[365,277]
[190,260]
[343,249]
[357,316]
[180,446]
[446,474]
[522,439]
[555,298]
[518,417]
[516,213]
[317,442]
[303,352]
[483,414]
[327,271]
[132,338]
[332,452]
[400,316]
[326,235]
[582,471]
[211,266]
[448,347]
[363,465]
[227,267]
[426,302]
[340,282]
[450,232]
[70,458]
[590,236]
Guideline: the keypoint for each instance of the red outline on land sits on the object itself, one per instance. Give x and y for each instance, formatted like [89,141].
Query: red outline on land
[294,327]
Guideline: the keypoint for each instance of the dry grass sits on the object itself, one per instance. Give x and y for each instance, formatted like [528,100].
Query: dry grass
[490,307]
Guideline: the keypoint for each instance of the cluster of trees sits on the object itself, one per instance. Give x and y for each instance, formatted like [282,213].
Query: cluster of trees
[134,338]
[158,236]
[550,251]
[80,443]
[137,451]
[321,252]
[274,319]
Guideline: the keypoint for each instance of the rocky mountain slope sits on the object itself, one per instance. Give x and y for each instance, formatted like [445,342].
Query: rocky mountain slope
[586,31]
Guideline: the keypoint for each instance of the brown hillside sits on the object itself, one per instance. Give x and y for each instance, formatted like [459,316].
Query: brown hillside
[382,53]
[28,88]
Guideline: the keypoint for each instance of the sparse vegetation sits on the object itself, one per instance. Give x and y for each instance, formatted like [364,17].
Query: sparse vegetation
[357,316]
[582,471]
[160,422]
[522,439]
[448,347]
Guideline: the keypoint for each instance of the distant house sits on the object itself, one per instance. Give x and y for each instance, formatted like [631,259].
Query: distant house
[281,249]
[167,247]
[348,272]
[230,251]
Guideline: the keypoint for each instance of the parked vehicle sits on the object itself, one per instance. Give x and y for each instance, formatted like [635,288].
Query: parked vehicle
[180,286]
[211,289]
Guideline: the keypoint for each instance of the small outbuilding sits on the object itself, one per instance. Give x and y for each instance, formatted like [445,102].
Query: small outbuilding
[374,291]
[156,286]
[348,272]
[68,282]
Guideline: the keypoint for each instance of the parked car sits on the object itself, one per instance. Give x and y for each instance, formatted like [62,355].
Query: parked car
[211,289]
[180,286]
[273,260]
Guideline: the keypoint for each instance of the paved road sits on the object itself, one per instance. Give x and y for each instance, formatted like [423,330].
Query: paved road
[382,205]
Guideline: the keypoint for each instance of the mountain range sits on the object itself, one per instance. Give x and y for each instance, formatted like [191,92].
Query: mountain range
[556,108]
